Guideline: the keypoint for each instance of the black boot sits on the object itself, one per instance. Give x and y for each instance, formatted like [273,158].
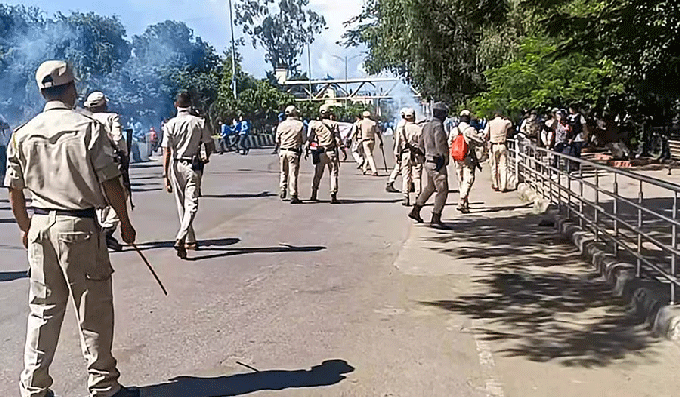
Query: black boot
[295,200]
[436,222]
[390,188]
[313,197]
[415,214]
[334,199]
[111,241]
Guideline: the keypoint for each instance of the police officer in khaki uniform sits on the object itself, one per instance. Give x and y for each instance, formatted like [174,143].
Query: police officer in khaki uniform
[97,104]
[411,157]
[289,140]
[466,169]
[324,141]
[65,160]
[433,144]
[369,130]
[398,146]
[182,164]
[497,133]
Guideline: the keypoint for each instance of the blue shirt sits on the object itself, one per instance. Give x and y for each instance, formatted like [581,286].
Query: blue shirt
[243,127]
[226,130]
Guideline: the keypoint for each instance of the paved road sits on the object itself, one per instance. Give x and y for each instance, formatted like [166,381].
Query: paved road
[348,300]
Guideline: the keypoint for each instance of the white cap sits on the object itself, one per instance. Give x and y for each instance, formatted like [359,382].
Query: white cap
[54,73]
[95,99]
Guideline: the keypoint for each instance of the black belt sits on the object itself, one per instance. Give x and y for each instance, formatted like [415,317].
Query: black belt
[185,161]
[292,150]
[88,213]
[497,143]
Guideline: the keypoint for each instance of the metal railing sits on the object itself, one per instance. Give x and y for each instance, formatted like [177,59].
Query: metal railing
[633,215]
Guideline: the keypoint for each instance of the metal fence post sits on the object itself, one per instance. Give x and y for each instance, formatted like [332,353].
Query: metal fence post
[616,215]
[580,197]
[596,218]
[639,236]
[675,245]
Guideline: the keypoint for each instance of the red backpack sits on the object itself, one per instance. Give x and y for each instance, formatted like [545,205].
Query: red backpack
[459,147]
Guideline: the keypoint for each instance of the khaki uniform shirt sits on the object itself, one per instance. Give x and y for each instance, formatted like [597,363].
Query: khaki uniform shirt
[412,133]
[368,129]
[399,136]
[290,134]
[497,130]
[112,123]
[434,142]
[325,133]
[184,134]
[61,157]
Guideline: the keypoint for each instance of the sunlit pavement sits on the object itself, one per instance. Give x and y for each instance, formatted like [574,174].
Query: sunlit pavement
[347,300]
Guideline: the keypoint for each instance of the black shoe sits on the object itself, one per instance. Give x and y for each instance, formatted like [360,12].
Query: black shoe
[282,195]
[295,200]
[128,392]
[437,223]
[390,188]
[415,214]
[111,241]
[181,249]
[334,199]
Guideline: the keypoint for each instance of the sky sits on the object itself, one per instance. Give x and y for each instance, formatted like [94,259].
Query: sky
[210,20]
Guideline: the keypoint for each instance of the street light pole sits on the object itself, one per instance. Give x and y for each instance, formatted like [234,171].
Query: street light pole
[346,59]
[233,50]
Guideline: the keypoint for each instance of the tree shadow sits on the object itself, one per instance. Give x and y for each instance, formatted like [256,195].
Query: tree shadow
[328,373]
[240,195]
[7,221]
[254,250]
[146,165]
[11,276]
[535,297]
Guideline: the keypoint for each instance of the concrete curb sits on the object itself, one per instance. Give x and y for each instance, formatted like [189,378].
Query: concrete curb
[648,300]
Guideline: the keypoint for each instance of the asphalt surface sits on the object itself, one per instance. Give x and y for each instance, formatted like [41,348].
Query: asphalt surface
[346,300]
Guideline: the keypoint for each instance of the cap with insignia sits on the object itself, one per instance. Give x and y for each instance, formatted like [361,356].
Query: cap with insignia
[54,73]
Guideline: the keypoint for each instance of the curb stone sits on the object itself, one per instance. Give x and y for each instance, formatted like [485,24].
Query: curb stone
[647,299]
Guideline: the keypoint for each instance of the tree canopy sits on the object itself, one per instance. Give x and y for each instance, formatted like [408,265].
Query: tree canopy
[282,29]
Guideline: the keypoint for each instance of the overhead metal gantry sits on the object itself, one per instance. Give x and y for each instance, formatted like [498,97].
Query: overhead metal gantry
[342,86]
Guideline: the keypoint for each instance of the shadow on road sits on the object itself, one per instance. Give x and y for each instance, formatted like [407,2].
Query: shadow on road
[240,195]
[11,276]
[535,297]
[326,374]
[146,165]
[370,201]
[257,250]
[6,221]
[204,244]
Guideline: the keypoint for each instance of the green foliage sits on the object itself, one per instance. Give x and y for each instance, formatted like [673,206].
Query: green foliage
[282,30]
[538,79]
[432,44]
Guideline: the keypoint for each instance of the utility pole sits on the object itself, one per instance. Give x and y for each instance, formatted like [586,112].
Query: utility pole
[233,50]
[346,60]
[309,67]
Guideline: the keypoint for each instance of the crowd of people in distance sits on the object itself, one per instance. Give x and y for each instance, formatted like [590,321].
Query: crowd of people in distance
[234,136]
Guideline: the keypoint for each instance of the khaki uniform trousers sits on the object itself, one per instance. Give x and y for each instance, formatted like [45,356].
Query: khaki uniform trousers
[411,171]
[435,181]
[465,171]
[328,159]
[185,183]
[290,169]
[369,146]
[68,256]
[498,160]
[395,172]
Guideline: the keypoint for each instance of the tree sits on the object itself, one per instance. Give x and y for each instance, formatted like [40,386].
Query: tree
[432,44]
[640,37]
[536,79]
[282,30]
